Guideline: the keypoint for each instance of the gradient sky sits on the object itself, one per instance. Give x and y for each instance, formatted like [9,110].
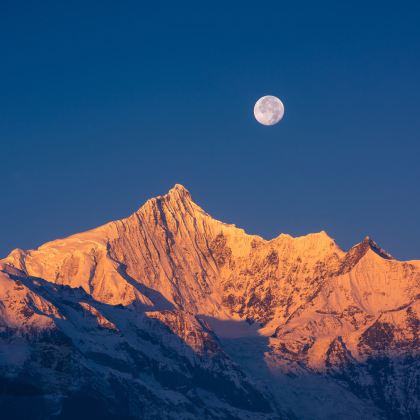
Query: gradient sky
[104,104]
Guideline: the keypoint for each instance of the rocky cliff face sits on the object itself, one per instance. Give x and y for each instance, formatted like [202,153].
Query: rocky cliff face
[171,313]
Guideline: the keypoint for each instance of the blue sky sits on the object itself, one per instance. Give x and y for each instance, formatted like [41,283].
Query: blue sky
[104,104]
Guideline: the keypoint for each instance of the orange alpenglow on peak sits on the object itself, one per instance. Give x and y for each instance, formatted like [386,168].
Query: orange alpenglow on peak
[179,187]
[317,308]
[180,191]
[177,192]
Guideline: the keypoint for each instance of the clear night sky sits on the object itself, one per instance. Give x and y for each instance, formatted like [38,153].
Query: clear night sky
[104,104]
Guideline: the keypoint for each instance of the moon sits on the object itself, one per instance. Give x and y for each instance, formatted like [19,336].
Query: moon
[268,110]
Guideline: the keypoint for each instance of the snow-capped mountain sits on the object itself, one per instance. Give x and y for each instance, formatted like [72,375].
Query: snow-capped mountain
[170,313]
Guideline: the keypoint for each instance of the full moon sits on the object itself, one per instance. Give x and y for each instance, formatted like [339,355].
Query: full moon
[268,110]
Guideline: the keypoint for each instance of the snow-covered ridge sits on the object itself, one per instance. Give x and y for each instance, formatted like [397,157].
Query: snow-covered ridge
[312,309]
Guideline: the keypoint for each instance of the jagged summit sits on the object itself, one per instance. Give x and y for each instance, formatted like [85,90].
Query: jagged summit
[177,191]
[367,244]
[177,200]
[371,244]
[172,245]
[180,188]
[321,238]
[159,281]
[181,195]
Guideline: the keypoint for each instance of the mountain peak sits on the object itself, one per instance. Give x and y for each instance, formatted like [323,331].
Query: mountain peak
[369,243]
[155,291]
[179,189]
[358,251]
[178,193]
